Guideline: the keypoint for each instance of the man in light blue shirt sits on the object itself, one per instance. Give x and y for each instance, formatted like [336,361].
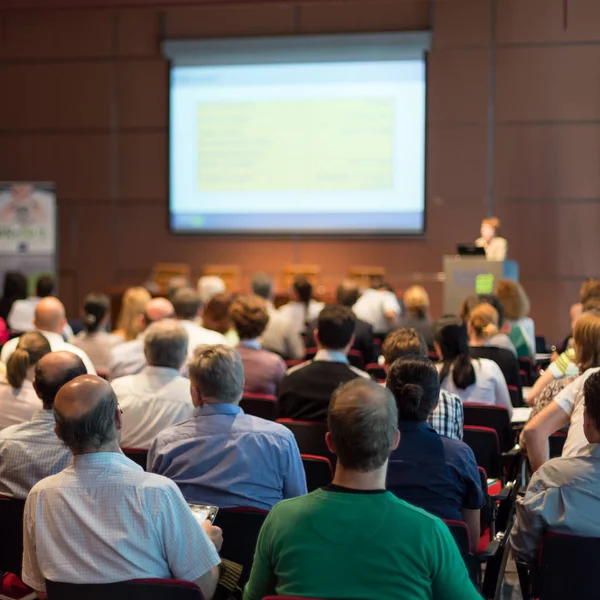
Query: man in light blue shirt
[30,451]
[223,456]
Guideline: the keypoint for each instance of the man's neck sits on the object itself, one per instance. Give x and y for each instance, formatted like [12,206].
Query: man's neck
[112,447]
[357,480]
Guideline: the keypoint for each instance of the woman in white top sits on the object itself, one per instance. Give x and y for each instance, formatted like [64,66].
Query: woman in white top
[302,309]
[18,400]
[472,380]
[95,340]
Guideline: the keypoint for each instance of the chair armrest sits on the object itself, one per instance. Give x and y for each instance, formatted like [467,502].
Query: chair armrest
[503,494]
[512,453]
[490,551]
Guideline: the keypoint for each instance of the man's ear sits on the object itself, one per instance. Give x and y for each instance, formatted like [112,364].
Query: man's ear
[118,419]
[196,396]
[56,432]
[316,336]
[397,441]
[329,443]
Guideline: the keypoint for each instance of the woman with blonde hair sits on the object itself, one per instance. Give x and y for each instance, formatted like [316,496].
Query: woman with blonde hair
[134,304]
[18,399]
[416,303]
[482,326]
[568,406]
[516,306]
[495,247]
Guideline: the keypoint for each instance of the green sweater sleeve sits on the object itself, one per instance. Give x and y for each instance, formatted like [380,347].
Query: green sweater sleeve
[450,579]
[262,577]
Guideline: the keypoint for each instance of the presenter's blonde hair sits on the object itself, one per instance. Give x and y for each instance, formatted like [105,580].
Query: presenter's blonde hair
[493,222]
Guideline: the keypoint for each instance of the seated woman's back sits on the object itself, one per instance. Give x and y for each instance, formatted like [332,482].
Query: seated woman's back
[427,470]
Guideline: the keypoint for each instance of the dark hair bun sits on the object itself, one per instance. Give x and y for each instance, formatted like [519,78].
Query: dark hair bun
[411,393]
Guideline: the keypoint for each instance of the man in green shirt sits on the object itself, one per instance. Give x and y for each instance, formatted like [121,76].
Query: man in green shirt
[353,539]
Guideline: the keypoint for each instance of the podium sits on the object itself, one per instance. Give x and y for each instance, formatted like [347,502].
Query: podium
[468,275]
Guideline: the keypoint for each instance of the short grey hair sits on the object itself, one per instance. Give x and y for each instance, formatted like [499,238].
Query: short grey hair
[262,285]
[218,371]
[166,344]
[363,421]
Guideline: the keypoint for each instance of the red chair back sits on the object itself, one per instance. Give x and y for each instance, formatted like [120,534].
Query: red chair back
[138,455]
[11,528]
[135,589]
[310,436]
[356,359]
[376,371]
[260,405]
[486,447]
[318,470]
[488,415]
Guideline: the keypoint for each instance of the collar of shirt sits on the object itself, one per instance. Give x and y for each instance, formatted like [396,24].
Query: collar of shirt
[43,415]
[150,370]
[331,356]
[592,450]
[102,459]
[207,410]
[52,337]
[254,344]
[415,426]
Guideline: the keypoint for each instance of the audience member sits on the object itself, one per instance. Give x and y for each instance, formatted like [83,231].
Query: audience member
[95,340]
[15,288]
[209,286]
[428,470]
[347,294]
[482,325]
[104,519]
[130,323]
[472,380]
[416,303]
[352,539]
[306,389]
[30,451]
[380,308]
[22,313]
[216,317]
[18,400]
[516,306]
[280,335]
[567,407]
[500,339]
[187,305]
[176,283]
[50,321]
[302,309]
[564,493]
[263,370]
[222,456]
[158,396]
[495,247]
[447,417]
[129,358]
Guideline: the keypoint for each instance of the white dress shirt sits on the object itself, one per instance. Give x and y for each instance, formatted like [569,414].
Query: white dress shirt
[299,316]
[571,400]
[489,387]
[17,406]
[98,346]
[29,452]
[151,401]
[104,519]
[127,358]
[57,343]
[372,307]
[22,315]
[281,336]
[562,497]
[199,336]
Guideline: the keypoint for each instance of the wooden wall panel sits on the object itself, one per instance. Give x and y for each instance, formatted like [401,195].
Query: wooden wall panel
[542,21]
[65,96]
[548,161]
[543,84]
[139,32]
[357,15]
[230,21]
[461,23]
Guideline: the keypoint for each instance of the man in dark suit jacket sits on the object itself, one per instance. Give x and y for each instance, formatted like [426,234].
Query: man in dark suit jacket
[346,295]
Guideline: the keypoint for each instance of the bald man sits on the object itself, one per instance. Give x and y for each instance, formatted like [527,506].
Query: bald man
[104,519]
[50,321]
[353,539]
[30,451]
[129,358]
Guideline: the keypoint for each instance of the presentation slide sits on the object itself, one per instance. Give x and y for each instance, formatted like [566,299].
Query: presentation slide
[322,147]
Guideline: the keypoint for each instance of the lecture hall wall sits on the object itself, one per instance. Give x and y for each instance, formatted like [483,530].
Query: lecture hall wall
[83,102]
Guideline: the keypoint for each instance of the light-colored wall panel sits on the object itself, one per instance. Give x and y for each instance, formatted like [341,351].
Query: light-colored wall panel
[358,16]
[548,161]
[54,96]
[535,83]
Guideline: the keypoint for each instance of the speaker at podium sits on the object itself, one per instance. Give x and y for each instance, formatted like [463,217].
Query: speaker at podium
[466,275]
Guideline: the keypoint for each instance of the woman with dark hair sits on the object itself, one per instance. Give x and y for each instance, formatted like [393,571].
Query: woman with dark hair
[435,473]
[302,309]
[18,399]
[15,288]
[472,380]
[95,340]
